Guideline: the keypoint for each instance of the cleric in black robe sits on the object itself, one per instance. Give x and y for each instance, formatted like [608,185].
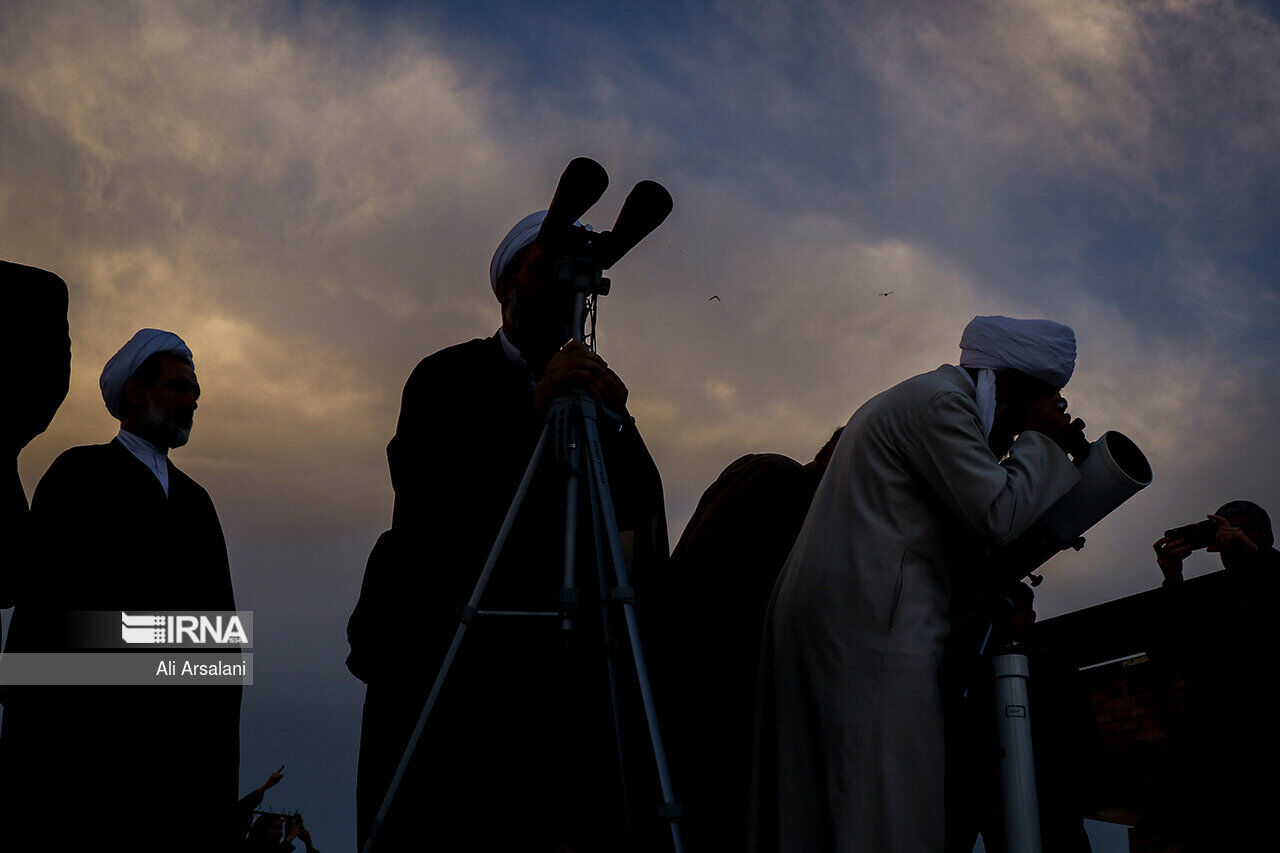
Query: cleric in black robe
[519,749]
[33,305]
[712,604]
[118,527]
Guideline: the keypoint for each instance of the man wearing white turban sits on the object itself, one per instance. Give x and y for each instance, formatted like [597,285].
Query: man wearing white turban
[850,727]
[519,740]
[118,526]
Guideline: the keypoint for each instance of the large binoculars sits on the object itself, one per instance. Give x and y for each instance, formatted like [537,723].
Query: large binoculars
[563,239]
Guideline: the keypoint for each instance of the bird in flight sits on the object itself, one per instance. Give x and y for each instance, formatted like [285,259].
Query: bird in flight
[886,293]
[716,298]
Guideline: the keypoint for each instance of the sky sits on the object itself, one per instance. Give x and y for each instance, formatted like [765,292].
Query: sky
[309,193]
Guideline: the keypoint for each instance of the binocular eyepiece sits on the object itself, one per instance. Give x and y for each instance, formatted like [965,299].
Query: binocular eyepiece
[581,186]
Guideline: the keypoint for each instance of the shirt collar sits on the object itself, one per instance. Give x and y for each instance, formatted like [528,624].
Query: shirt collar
[155,458]
[514,356]
[138,444]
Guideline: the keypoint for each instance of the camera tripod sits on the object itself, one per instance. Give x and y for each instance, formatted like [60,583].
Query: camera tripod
[572,434]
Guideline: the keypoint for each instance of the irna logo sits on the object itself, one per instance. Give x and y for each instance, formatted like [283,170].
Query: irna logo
[161,630]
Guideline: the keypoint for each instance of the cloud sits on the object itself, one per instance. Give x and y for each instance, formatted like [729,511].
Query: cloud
[314,198]
[1146,99]
[310,196]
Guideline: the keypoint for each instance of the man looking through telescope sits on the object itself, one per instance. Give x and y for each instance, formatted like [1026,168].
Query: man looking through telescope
[850,722]
[519,745]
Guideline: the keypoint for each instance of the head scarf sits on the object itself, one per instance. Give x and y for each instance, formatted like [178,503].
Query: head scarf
[1040,348]
[126,362]
[522,234]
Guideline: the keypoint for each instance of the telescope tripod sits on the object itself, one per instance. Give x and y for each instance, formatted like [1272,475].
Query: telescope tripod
[572,434]
[1007,708]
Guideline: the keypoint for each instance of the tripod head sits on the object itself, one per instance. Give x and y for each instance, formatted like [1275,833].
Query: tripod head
[577,255]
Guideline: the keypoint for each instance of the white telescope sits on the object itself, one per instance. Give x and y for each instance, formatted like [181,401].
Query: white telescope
[1114,471]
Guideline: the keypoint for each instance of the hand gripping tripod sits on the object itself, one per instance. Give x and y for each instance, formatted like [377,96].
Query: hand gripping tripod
[572,433]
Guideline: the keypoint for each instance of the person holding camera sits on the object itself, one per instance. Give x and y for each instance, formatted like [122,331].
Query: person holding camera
[520,738]
[275,833]
[850,718]
[1239,532]
[1217,635]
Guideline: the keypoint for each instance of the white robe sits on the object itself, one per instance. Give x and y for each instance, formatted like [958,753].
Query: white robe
[849,751]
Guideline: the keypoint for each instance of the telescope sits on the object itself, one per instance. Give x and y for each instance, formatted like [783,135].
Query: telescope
[577,255]
[1112,470]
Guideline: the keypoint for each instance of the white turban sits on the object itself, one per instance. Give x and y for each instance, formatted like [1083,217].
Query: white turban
[1040,348]
[522,234]
[126,362]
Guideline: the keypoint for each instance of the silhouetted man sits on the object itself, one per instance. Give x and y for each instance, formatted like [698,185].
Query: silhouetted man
[250,801]
[519,749]
[1242,537]
[118,527]
[712,606]
[1224,641]
[34,335]
[850,746]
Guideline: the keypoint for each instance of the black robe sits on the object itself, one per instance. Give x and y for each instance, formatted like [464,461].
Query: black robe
[33,333]
[119,763]
[519,748]
[716,591]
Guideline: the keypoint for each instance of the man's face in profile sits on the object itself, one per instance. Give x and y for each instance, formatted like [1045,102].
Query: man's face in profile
[536,313]
[1023,401]
[1030,400]
[167,408]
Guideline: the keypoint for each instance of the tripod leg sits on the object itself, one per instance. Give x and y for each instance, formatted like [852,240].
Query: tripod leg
[595,465]
[568,592]
[611,654]
[464,620]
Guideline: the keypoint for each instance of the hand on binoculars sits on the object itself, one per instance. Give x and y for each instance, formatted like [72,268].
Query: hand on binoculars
[573,367]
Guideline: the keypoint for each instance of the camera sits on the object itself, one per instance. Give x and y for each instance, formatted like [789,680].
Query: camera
[1198,535]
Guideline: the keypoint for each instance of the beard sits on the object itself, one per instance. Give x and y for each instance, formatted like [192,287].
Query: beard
[174,431]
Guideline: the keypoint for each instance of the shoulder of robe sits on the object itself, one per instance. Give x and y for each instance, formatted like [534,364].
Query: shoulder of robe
[32,286]
[458,360]
[766,462]
[763,468]
[77,463]
[921,398]
[943,381]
